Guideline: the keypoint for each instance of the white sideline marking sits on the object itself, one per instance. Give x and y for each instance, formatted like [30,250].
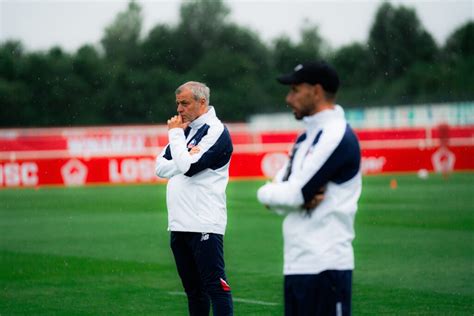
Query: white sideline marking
[236,299]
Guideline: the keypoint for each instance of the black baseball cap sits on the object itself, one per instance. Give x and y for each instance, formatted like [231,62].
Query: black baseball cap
[313,73]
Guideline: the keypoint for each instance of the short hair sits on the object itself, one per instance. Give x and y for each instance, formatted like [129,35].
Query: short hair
[199,90]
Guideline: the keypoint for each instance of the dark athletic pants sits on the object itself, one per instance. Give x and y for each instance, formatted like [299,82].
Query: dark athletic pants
[200,261]
[326,293]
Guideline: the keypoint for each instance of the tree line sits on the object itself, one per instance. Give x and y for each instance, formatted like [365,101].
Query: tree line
[130,79]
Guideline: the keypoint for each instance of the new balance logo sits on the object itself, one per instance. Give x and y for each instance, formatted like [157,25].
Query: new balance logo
[204,236]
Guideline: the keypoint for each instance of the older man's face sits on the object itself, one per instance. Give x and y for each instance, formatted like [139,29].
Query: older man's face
[188,108]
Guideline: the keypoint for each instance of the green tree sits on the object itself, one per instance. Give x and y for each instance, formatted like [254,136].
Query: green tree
[91,77]
[354,65]
[357,71]
[460,44]
[134,80]
[287,55]
[457,70]
[14,92]
[230,59]
[160,48]
[201,22]
[58,89]
[121,38]
[242,41]
[235,89]
[397,40]
[11,52]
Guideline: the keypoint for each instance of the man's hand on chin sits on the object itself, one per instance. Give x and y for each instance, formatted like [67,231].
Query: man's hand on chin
[177,122]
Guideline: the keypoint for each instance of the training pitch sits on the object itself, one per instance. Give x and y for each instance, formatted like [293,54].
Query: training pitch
[105,250]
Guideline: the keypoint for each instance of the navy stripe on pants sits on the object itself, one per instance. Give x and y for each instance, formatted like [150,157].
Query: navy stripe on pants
[326,293]
[199,259]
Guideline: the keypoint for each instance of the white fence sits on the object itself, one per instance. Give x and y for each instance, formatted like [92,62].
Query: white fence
[424,115]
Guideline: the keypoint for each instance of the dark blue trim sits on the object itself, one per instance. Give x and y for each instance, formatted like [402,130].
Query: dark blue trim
[186,131]
[341,166]
[199,135]
[287,174]
[201,132]
[316,139]
[167,154]
[300,138]
[216,157]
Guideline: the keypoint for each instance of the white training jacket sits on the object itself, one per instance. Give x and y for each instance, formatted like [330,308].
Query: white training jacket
[195,193]
[326,154]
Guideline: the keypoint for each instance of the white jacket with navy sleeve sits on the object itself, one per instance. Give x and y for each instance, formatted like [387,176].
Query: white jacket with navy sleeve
[195,193]
[326,154]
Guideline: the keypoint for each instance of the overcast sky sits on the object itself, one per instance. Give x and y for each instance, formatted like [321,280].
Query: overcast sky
[72,23]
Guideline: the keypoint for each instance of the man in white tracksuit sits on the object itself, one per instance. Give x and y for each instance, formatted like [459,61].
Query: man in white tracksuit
[196,162]
[318,190]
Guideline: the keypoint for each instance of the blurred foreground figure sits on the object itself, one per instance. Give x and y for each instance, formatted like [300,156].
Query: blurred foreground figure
[443,159]
[196,162]
[318,190]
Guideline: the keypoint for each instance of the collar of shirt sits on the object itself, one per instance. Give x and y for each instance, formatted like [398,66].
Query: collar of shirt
[200,121]
[316,120]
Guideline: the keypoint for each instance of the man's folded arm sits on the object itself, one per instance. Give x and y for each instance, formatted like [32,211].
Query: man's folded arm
[215,149]
[301,189]
[165,166]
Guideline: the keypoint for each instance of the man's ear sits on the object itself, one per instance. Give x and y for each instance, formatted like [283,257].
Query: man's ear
[202,102]
[318,92]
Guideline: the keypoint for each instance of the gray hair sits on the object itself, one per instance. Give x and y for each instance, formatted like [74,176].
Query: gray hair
[199,90]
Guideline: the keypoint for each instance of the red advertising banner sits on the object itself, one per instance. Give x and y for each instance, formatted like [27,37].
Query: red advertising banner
[75,157]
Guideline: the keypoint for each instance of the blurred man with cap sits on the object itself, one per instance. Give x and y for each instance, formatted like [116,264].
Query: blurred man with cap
[318,190]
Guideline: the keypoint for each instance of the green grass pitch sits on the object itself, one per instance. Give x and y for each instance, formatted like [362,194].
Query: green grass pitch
[105,250]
